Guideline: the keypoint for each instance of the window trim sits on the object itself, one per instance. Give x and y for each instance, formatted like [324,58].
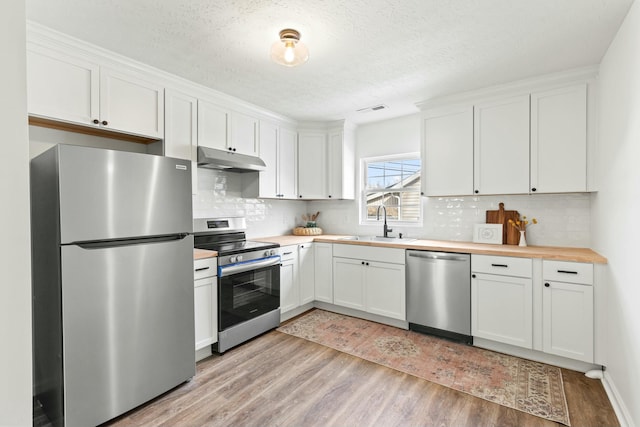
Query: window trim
[363,219]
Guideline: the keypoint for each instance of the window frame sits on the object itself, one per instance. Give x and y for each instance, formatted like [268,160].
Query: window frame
[364,191]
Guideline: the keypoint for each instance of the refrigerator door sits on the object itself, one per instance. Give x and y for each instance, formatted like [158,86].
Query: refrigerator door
[128,326]
[107,194]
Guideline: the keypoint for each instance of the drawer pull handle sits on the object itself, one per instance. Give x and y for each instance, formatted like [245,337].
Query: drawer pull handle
[500,265]
[287,253]
[567,272]
[202,268]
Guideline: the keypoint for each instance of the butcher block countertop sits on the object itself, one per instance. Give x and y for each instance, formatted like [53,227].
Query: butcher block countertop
[546,252]
[203,253]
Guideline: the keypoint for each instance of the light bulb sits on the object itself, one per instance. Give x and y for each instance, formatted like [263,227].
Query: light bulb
[289,54]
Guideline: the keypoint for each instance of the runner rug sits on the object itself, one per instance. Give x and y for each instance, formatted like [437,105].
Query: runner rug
[527,386]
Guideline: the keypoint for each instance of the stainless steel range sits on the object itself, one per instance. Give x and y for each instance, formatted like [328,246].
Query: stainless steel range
[248,280]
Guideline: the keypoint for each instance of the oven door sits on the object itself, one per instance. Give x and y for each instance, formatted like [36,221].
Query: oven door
[247,290]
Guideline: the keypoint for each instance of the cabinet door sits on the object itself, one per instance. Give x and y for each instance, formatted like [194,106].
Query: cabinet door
[312,166]
[502,309]
[244,134]
[213,123]
[205,311]
[180,130]
[385,289]
[62,87]
[268,178]
[288,164]
[306,276]
[323,271]
[559,140]
[348,283]
[567,320]
[447,152]
[132,105]
[501,146]
[289,289]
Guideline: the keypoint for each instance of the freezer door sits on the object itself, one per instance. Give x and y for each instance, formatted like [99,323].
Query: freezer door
[128,326]
[107,194]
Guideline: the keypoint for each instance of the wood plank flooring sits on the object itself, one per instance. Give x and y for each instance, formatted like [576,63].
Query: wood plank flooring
[281,380]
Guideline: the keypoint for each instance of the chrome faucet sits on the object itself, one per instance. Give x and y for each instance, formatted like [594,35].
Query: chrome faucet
[385,228]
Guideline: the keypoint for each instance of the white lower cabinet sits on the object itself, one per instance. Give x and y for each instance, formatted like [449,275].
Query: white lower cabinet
[205,295]
[502,304]
[289,288]
[363,280]
[567,310]
[323,272]
[296,276]
[306,267]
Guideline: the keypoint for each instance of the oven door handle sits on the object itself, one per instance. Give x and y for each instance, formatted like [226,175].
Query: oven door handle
[241,267]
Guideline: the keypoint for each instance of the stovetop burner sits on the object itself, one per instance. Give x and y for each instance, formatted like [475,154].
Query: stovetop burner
[225,235]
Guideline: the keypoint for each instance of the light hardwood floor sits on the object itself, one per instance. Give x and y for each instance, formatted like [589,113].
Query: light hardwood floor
[281,380]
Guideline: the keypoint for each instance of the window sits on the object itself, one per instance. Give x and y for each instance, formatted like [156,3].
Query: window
[394,182]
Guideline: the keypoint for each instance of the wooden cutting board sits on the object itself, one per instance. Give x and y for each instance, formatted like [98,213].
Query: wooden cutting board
[510,235]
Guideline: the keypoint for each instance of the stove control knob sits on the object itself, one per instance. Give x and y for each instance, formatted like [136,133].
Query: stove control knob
[239,258]
[267,253]
[233,259]
[272,252]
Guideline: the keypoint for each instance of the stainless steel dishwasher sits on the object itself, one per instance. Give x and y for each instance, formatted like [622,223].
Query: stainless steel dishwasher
[439,294]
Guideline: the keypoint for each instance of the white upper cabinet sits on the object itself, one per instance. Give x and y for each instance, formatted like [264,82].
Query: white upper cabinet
[278,150]
[447,153]
[287,163]
[522,138]
[244,134]
[312,165]
[64,88]
[559,140]
[181,130]
[223,129]
[130,104]
[213,123]
[501,146]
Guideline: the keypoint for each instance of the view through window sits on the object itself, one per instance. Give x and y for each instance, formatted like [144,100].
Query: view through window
[394,183]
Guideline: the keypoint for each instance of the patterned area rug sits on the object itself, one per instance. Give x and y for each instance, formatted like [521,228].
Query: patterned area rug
[528,386]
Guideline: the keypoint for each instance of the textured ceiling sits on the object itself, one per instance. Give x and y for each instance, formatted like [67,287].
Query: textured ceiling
[362,52]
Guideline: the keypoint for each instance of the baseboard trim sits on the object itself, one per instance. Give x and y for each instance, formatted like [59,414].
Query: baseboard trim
[624,417]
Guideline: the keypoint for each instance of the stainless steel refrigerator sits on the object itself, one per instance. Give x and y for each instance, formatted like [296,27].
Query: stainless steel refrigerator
[112,254]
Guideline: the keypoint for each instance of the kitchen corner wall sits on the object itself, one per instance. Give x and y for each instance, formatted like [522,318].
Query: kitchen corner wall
[220,195]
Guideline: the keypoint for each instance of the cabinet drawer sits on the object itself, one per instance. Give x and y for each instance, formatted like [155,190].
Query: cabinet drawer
[288,252]
[569,272]
[206,267]
[370,253]
[501,265]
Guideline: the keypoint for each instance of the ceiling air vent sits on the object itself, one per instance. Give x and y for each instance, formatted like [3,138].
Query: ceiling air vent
[374,108]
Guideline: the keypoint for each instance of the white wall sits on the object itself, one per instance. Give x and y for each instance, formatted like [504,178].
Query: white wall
[616,206]
[15,256]
[564,220]
[220,195]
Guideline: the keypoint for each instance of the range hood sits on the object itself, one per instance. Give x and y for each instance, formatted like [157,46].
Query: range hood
[230,161]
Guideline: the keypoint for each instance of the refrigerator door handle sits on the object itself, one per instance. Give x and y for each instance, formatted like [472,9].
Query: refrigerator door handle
[101,244]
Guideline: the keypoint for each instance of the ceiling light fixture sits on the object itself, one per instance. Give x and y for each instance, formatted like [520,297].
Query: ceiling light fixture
[289,51]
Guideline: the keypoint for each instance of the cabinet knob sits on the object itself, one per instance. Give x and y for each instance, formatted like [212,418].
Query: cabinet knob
[533,189]
[104,123]
[300,196]
[476,191]
[230,149]
[367,263]
[362,263]
[546,285]
[234,150]
[96,121]
[329,195]
[473,276]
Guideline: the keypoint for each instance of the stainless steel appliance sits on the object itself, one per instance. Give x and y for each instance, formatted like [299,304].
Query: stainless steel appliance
[112,256]
[248,280]
[439,294]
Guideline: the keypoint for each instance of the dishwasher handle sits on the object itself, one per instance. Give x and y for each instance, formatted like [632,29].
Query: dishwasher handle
[438,256]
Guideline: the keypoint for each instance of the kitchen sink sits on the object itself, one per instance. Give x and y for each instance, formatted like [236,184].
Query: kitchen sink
[379,239]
